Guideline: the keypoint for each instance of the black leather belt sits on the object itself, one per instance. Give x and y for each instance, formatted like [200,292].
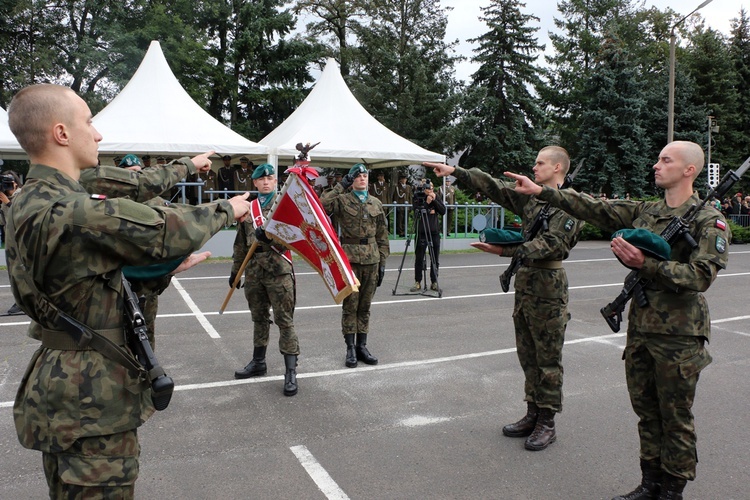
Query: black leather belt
[358,241]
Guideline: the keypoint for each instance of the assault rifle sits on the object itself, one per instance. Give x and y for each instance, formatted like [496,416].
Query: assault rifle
[540,224]
[136,335]
[677,229]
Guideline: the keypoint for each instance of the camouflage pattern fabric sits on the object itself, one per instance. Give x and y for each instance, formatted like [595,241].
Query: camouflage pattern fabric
[355,315]
[269,282]
[540,313]
[140,185]
[95,467]
[73,247]
[145,185]
[665,351]
[662,373]
[676,304]
[359,221]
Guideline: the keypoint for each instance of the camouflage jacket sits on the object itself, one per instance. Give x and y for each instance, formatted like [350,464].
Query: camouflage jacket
[73,246]
[359,221]
[265,260]
[142,185]
[551,245]
[676,304]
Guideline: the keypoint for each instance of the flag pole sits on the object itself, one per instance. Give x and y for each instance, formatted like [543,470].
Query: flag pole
[250,253]
[238,278]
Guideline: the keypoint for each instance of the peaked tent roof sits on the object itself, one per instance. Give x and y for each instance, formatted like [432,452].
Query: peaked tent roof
[154,114]
[9,147]
[347,133]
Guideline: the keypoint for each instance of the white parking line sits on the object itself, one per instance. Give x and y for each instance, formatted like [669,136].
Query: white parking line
[325,482]
[196,311]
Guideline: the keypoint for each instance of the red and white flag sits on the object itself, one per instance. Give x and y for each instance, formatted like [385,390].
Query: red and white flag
[298,220]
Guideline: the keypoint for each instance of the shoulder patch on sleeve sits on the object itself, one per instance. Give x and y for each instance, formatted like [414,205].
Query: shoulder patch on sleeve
[721,224]
[569,224]
[721,244]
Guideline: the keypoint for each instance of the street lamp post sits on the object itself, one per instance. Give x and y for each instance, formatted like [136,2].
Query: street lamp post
[672,37]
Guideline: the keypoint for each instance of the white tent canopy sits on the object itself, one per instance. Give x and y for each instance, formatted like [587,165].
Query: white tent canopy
[153,114]
[9,147]
[347,133]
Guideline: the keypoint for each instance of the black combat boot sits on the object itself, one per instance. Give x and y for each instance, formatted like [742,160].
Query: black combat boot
[256,367]
[543,434]
[526,425]
[363,354]
[290,377]
[649,487]
[671,487]
[351,354]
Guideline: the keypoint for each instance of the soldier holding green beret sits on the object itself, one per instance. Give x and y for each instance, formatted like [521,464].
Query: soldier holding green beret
[665,350]
[540,312]
[65,253]
[364,238]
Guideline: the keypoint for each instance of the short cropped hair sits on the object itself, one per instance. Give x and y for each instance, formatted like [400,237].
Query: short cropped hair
[692,154]
[558,155]
[34,110]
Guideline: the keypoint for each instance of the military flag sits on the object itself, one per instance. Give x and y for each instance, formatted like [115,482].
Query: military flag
[298,220]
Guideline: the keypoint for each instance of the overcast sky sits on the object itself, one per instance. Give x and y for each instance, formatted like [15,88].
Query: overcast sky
[463,20]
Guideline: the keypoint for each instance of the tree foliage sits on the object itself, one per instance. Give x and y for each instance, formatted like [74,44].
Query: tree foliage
[503,124]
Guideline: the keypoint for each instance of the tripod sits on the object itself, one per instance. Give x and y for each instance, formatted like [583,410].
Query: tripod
[420,221]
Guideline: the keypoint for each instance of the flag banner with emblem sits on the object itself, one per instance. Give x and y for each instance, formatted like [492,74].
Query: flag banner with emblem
[298,220]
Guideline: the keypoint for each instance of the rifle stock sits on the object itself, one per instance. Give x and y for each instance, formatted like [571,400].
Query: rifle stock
[136,335]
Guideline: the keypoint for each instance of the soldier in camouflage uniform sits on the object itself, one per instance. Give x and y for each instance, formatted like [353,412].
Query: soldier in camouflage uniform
[65,253]
[540,313]
[144,185]
[364,238]
[269,282]
[665,350]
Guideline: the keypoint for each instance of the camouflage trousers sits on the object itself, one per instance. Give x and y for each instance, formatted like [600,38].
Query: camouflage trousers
[355,316]
[99,467]
[540,333]
[263,293]
[662,374]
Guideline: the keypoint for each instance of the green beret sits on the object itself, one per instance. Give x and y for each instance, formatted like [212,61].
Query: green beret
[357,169]
[495,236]
[129,161]
[263,170]
[152,271]
[648,242]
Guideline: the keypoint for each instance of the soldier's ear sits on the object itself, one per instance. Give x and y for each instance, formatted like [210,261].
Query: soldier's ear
[60,134]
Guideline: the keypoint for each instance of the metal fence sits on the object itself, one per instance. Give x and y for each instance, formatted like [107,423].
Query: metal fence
[459,221]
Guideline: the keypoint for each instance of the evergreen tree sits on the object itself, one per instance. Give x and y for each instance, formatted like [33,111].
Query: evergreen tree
[405,71]
[710,65]
[739,52]
[614,141]
[583,26]
[502,128]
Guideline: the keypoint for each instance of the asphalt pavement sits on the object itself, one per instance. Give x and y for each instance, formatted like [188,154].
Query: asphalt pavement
[425,422]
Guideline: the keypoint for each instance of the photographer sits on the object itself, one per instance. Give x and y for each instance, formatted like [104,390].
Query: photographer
[10,185]
[427,206]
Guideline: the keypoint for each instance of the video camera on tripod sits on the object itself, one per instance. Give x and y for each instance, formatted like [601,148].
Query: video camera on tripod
[419,196]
